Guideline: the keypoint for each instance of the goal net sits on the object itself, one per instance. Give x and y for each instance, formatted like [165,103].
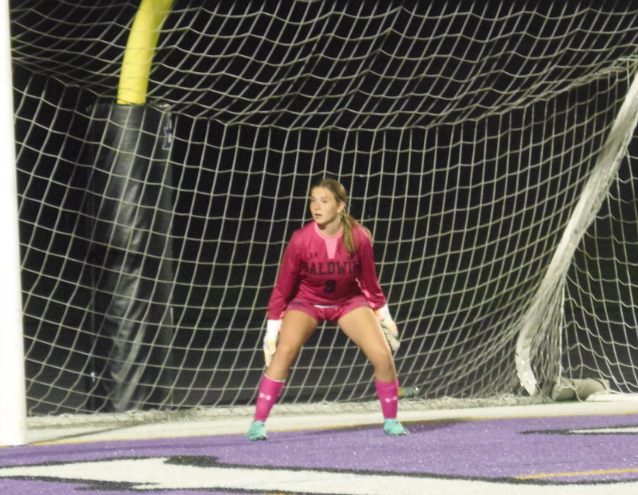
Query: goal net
[466,133]
[600,340]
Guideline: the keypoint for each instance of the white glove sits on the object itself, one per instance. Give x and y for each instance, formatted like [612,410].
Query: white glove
[270,339]
[389,327]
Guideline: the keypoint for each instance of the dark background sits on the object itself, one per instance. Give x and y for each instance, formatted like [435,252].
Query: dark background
[463,132]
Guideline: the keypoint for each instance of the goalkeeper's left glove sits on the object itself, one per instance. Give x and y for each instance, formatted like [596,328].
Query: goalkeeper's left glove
[389,327]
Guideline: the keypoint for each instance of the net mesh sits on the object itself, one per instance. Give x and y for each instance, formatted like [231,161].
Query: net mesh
[600,324]
[464,133]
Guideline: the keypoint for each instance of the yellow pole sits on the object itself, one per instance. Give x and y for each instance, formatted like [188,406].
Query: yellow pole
[140,49]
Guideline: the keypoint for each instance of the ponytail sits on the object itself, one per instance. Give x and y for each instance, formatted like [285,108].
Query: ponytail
[349,225]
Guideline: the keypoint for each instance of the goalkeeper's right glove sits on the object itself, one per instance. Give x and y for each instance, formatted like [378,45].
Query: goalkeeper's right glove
[270,339]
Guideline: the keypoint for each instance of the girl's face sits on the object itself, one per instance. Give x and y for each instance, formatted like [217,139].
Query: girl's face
[324,207]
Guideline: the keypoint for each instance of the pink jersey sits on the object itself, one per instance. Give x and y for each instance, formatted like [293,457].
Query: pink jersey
[319,270]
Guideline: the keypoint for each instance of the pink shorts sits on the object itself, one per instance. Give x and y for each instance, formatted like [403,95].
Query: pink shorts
[328,313]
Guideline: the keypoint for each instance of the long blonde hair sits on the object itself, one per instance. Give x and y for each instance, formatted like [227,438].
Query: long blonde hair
[348,222]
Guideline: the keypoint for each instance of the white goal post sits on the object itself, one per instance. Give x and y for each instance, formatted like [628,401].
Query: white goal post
[12,386]
[548,300]
[468,136]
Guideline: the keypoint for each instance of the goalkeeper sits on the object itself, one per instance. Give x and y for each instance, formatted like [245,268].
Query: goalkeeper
[328,273]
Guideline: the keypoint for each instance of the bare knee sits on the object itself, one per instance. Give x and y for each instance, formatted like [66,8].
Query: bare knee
[383,365]
[282,361]
[287,353]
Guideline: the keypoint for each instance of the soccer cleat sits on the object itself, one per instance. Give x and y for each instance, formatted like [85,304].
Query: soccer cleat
[257,431]
[393,428]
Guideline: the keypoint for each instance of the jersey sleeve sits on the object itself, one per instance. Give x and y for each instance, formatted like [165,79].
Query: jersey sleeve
[286,281]
[368,279]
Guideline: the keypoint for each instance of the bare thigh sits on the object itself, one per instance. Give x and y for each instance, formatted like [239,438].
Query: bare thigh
[296,327]
[362,327]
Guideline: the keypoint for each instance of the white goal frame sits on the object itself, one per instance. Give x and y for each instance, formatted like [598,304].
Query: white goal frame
[13,411]
[539,319]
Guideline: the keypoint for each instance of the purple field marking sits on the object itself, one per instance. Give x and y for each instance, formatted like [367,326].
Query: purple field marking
[486,449]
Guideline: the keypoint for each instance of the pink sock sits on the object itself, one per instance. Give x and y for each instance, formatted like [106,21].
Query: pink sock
[269,391]
[388,393]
